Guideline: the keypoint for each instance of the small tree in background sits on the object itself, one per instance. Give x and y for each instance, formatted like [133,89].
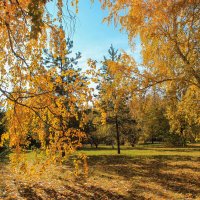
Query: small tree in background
[95,131]
[114,90]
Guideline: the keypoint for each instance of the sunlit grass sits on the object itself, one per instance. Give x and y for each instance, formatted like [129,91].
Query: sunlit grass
[141,150]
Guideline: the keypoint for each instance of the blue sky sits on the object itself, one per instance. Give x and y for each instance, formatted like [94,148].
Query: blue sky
[93,38]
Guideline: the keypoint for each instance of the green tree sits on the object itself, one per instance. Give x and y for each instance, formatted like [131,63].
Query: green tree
[70,76]
[95,131]
[114,91]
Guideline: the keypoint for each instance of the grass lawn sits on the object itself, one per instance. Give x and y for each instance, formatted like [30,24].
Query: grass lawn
[143,172]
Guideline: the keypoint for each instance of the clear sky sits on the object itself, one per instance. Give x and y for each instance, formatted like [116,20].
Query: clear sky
[93,38]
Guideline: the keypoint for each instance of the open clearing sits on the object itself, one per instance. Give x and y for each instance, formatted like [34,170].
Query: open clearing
[144,172]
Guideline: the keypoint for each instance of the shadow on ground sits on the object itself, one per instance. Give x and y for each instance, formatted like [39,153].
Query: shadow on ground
[174,174]
[77,192]
[157,177]
[125,177]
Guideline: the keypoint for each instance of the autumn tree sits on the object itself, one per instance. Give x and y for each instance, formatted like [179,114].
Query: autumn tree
[30,90]
[183,113]
[114,90]
[69,73]
[170,43]
[96,132]
[149,110]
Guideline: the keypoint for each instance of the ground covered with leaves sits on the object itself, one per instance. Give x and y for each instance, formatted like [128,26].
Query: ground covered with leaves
[140,173]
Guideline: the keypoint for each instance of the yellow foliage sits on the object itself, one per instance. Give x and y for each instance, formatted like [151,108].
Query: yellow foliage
[170,35]
[33,106]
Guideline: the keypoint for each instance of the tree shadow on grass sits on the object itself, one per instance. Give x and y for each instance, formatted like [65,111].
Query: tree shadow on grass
[28,193]
[77,192]
[147,169]
[153,169]
[168,149]
[104,148]
[179,149]
[94,192]
[139,172]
